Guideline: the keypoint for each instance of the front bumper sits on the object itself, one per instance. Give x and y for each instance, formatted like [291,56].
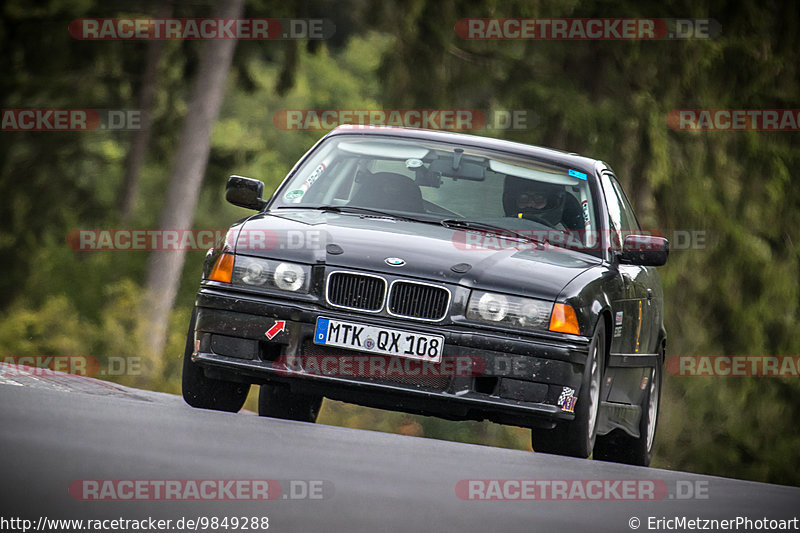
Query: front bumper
[517,380]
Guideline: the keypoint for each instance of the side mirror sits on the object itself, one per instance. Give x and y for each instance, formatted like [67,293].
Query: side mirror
[644,250]
[245,192]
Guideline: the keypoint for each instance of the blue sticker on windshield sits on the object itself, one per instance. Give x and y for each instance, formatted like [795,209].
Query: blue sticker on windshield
[576,174]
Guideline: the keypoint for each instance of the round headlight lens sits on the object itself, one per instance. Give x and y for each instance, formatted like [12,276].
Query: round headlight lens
[289,277]
[493,307]
[254,274]
[530,315]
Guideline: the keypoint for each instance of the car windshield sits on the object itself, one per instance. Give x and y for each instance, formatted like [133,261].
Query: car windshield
[460,186]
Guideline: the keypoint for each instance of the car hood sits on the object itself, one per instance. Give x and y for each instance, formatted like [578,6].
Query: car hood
[430,251]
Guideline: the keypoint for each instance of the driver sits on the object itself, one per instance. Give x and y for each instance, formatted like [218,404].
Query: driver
[532,200]
[547,204]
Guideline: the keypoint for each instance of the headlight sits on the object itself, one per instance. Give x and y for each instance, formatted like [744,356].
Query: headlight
[509,310]
[492,307]
[254,274]
[269,274]
[289,277]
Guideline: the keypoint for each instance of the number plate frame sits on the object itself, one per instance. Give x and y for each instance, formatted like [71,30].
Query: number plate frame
[379,340]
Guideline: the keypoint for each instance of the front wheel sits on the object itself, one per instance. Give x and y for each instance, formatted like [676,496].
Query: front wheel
[619,447]
[576,438]
[206,393]
[277,401]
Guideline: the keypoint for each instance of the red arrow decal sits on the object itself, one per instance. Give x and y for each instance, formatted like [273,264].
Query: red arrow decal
[279,326]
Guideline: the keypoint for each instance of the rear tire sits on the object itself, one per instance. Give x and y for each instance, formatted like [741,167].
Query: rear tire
[619,447]
[206,393]
[576,438]
[277,401]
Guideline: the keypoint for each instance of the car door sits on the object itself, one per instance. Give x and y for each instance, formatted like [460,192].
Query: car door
[631,332]
[647,284]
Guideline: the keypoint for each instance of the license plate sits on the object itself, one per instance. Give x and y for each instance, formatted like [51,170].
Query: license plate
[374,339]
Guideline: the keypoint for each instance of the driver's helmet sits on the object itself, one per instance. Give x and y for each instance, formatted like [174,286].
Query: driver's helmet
[534,200]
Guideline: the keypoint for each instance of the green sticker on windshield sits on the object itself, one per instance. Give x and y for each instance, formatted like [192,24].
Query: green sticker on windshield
[294,195]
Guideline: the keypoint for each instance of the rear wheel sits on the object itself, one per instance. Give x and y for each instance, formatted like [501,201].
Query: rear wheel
[576,438]
[206,393]
[277,401]
[619,447]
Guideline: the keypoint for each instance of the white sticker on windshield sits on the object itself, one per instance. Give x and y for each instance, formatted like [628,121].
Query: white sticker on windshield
[413,163]
[295,195]
[316,174]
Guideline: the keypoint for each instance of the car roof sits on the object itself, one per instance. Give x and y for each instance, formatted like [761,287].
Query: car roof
[537,152]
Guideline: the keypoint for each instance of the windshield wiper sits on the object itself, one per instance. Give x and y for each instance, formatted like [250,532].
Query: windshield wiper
[500,231]
[354,209]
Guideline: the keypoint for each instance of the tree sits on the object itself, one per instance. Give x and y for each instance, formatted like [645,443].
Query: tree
[129,191]
[164,267]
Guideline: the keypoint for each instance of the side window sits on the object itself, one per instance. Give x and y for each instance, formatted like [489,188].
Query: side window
[616,223]
[623,220]
[631,225]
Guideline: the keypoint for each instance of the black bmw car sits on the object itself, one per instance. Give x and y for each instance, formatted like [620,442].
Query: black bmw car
[442,274]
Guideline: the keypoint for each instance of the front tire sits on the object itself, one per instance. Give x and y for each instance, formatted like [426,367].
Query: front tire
[576,438]
[277,401]
[206,393]
[619,447]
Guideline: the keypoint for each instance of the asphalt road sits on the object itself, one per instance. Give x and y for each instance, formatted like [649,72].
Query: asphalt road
[58,431]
